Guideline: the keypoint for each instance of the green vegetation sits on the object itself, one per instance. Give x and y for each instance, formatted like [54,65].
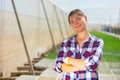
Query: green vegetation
[111,44]
[111,48]
[53,55]
[118,33]
[110,58]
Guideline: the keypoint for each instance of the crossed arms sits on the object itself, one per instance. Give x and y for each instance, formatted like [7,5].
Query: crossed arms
[71,65]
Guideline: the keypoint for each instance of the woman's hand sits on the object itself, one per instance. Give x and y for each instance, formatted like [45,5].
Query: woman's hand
[79,63]
[69,68]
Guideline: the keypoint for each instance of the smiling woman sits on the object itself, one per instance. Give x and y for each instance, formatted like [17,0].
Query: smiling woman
[78,20]
[80,55]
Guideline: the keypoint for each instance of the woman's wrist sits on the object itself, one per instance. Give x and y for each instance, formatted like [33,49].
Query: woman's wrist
[67,60]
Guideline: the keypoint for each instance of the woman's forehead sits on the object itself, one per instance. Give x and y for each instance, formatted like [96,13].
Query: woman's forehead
[75,16]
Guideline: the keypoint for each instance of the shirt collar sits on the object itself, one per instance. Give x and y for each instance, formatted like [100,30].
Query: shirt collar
[91,38]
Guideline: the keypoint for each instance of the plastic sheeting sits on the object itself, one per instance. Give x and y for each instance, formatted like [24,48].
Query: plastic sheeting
[35,30]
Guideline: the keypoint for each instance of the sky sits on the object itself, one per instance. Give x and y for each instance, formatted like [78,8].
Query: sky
[98,11]
[67,5]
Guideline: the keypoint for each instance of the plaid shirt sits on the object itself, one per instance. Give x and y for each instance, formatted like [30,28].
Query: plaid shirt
[91,52]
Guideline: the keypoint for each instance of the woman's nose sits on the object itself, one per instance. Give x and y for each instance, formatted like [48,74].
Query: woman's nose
[76,23]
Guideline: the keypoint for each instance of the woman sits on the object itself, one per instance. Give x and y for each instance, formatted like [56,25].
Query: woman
[79,56]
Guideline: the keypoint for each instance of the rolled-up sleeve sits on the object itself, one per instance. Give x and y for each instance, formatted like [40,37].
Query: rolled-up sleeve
[60,57]
[92,62]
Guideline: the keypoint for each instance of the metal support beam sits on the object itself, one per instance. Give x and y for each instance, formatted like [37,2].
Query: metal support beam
[20,28]
[46,17]
[65,22]
[119,18]
[58,22]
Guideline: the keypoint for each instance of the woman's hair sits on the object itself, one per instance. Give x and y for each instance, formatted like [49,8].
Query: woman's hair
[76,11]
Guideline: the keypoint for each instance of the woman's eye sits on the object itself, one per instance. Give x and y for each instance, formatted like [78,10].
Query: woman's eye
[71,22]
[79,18]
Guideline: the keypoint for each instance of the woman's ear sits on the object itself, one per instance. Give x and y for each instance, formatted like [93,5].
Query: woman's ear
[86,18]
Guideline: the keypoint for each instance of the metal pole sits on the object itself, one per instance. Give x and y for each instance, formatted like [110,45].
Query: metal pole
[19,25]
[38,18]
[58,22]
[65,23]
[119,18]
[48,25]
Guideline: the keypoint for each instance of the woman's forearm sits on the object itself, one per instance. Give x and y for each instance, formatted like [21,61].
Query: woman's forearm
[69,68]
[78,63]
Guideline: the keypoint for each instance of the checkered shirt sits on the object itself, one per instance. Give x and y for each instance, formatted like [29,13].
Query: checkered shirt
[91,52]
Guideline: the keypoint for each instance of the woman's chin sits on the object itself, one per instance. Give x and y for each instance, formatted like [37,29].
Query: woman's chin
[79,30]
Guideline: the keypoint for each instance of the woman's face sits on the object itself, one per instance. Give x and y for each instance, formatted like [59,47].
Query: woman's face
[78,22]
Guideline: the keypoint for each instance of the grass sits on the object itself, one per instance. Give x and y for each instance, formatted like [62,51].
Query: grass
[110,58]
[118,33]
[53,55]
[111,46]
